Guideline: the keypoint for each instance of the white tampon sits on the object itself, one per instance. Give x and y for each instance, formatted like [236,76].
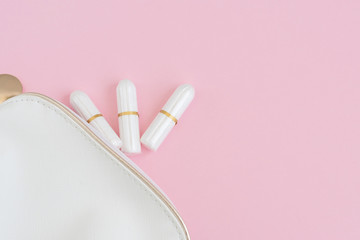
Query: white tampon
[83,105]
[128,117]
[168,117]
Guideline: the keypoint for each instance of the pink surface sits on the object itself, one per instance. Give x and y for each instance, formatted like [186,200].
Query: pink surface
[269,149]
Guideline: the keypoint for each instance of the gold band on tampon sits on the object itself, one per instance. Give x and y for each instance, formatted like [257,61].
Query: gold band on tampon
[169,116]
[128,113]
[94,117]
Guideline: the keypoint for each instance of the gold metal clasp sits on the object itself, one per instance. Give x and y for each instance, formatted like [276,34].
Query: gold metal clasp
[10,86]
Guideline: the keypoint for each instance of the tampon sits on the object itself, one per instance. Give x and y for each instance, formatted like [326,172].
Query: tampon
[83,105]
[168,117]
[128,117]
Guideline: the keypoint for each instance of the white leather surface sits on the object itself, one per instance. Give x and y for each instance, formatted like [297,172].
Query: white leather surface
[57,182]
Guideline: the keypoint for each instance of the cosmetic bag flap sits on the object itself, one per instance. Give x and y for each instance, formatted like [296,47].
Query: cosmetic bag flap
[60,180]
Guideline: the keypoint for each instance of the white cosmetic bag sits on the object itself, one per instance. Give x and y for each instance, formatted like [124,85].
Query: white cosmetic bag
[60,180]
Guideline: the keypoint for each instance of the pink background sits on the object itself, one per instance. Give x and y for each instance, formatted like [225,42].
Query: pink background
[269,149]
